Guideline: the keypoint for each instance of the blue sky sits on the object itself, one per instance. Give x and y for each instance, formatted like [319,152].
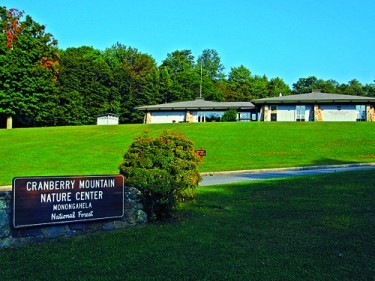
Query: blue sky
[331,39]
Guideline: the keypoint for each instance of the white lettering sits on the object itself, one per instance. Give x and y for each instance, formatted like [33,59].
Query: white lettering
[89,195]
[99,183]
[85,215]
[72,206]
[61,216]
[28,188]
[55,197]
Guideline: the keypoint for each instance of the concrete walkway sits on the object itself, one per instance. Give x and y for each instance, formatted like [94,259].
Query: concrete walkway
[215,178]
[251,175]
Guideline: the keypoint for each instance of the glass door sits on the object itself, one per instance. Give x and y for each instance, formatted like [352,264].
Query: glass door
[273,113]
[361,112]
[300,113]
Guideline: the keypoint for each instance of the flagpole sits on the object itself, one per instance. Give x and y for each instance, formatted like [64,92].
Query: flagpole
[200,87]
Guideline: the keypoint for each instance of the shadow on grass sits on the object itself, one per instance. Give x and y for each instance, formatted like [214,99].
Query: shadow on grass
[308,228]
[330,161]
[311,222]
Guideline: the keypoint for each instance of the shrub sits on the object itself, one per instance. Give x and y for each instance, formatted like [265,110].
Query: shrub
[229,116]
[164,169]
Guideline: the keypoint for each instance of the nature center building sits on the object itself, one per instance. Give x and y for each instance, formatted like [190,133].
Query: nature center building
[198,110]
[316,106]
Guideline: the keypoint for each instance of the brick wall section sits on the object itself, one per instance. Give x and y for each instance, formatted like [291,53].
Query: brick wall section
[11,237]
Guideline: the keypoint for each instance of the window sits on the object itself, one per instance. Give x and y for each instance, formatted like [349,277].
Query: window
[244,116]
[300,113]
[361,112]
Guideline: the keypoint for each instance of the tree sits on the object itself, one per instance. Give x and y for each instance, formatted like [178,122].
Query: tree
[211,70]
[354,87]
[210,62]
[136,79]
[369,90]
[164,169]
[184,79]
[29,63]
[165,83]
[307,85]
[277,86]
[86,84]
[229,116]
[239,84]
[259,87]
[329,86]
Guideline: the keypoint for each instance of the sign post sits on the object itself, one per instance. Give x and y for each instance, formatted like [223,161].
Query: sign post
[58,200]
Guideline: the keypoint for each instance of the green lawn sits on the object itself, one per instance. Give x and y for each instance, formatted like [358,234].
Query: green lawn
[309,228]
[90,150]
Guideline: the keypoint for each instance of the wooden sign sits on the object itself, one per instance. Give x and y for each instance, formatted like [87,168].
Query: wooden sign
[57,200]
[200,152]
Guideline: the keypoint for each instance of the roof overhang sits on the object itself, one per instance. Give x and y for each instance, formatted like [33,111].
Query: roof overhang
[198,104]
[315,98]
[314,101]
[108,114]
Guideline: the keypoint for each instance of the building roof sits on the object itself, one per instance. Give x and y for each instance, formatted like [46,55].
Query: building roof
[108,114]
[315,97]
[198,104]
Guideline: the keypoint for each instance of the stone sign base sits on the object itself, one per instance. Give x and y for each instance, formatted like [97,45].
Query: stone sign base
[11,237]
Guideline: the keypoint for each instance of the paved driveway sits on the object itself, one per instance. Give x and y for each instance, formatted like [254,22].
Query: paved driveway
[233,177]
[238,176]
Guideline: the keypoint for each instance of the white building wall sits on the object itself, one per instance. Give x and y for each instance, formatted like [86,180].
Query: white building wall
[339,113]
[159,117]
[107,120]
[328,112]
[286,113]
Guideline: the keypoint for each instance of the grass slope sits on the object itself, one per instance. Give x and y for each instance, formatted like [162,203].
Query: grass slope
[309,228]
[230,146]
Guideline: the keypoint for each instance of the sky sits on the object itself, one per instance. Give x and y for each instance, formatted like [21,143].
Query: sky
[289,39]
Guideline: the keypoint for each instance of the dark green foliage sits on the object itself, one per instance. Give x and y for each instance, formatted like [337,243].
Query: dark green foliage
[135,80]
[354,87]
[180,77]
[28,66]
[229,116]
[211,70]
[239,84]
[86,90]
[164,169]
[277,86]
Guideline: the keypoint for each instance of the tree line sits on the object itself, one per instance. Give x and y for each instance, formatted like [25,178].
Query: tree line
[43,85]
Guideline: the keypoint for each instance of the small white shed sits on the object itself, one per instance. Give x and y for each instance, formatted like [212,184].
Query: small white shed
[107,119]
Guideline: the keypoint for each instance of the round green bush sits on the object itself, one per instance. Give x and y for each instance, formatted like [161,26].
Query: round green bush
[229,116]
[164,169]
